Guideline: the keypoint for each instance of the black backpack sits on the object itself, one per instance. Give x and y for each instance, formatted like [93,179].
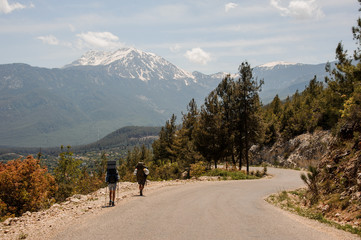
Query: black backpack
[112,176]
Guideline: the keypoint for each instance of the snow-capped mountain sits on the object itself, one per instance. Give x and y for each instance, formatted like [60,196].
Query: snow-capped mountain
[272,65]
[134,64]
[284,78]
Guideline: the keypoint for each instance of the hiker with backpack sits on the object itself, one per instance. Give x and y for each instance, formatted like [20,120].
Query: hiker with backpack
[112,178]
[141,172]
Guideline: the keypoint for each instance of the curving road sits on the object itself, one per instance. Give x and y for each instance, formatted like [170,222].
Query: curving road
[206,210]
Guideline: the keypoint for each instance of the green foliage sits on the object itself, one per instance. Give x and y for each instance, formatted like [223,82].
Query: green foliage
[163,148]
[345,87]
[184,142]
[230,120]
[210,134]
[248,117]
[272,114]
[89,182]
[24,186]
[283,196]
[311,180]
[125,173]
[67,174]
[168,171]
[101,166]
[197,169]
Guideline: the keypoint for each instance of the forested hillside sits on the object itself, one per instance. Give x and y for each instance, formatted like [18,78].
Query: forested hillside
[122,138]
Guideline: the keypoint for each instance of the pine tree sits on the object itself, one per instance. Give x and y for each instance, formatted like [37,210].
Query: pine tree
[313,102]
[163,147]
[210,135]
[184,146]
[272,115]
[248,105]
[225,91]
[344,86]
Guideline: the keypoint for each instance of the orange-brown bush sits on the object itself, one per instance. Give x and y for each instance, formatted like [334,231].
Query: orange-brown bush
[24,186]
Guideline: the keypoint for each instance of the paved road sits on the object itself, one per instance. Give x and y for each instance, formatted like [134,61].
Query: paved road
[206,210]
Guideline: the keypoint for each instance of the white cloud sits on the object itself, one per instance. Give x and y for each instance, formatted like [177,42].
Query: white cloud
[50,39]
[6,8]
[94,40]
[103,40]
[229,6]
[300,9]
[143,98]
[72,28]
[175,48]
[197,55]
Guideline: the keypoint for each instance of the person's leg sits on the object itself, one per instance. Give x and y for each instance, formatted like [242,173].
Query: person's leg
[110,196]
[141,186]
[113,199]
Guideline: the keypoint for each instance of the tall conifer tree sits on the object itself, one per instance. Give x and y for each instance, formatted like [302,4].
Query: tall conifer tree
[248,105]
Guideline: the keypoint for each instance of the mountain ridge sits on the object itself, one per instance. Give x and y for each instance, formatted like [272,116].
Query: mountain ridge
[77,105]
[271,65]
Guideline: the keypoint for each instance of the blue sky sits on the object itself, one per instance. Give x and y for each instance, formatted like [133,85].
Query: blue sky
[207,36]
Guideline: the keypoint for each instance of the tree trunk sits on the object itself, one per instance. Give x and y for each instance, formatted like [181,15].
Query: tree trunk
[246,141]
[246,152]
[246,131]
[240,159]
[233,159]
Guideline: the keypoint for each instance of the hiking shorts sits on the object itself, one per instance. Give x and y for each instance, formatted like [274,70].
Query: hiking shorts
[141,181]
[112,186]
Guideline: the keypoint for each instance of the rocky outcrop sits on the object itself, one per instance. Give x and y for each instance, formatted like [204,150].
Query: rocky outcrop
[301,151]
[338,163]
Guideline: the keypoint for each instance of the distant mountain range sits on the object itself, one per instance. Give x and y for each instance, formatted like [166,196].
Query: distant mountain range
[103,91]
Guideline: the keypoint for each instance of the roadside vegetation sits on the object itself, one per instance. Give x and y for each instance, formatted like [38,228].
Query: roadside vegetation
[298,202]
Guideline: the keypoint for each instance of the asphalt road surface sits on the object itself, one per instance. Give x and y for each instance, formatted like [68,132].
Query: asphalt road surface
[206,210]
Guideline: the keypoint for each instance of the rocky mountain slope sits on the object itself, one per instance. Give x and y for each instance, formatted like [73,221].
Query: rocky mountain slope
[299,152]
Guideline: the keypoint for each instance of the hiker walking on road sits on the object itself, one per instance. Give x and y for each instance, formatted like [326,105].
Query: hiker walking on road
[112,178]
[141,172]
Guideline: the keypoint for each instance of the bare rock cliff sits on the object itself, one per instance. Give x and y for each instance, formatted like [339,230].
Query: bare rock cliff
[301,151]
